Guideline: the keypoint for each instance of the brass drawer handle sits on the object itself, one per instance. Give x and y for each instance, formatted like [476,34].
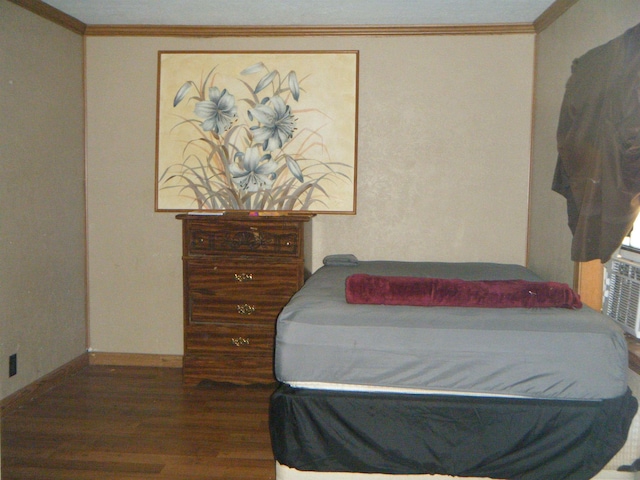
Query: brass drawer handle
[239,341]
[197,242]
[246,309]
[243,277]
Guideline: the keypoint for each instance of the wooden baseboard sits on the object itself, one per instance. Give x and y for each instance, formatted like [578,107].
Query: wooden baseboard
[135,359]
[43,384]
[56,377]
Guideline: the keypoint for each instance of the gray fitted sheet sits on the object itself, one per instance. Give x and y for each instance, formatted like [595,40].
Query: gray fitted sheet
[550,353]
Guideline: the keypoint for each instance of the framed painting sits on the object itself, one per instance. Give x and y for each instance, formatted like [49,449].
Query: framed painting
[257,131]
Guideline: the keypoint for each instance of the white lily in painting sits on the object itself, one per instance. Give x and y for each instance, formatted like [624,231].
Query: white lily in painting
[218,112]
[277,124]
[254,172]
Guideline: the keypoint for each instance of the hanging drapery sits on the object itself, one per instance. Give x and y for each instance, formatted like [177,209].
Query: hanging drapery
[598,167]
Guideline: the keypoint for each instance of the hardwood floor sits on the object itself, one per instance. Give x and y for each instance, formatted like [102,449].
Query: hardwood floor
[131,423]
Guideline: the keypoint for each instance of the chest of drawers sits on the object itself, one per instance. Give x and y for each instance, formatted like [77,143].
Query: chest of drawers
[238,273]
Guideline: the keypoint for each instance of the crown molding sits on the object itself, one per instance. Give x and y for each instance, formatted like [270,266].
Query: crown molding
[52,14]
[551,14]
[48,12]
[56,16]
[304,31]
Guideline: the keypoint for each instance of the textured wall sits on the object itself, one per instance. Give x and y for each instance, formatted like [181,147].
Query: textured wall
[443,167]
[42,227]
[586,25]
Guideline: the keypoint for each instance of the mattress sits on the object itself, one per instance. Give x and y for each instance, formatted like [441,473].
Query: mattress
[542,353]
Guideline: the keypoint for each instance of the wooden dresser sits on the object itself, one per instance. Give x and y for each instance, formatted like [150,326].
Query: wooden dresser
[238,273]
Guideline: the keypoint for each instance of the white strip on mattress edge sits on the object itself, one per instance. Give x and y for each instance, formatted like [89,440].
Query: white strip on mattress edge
[413,391]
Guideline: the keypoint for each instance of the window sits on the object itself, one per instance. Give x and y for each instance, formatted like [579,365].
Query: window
[631,243]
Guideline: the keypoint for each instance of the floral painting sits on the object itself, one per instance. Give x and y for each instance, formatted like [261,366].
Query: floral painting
[257,131]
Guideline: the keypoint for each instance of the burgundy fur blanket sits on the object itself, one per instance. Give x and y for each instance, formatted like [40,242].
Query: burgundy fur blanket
[443,292]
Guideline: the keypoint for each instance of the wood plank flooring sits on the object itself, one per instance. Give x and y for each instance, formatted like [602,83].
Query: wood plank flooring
[131,423]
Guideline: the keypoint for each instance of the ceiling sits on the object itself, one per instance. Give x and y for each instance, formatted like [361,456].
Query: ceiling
[302,12]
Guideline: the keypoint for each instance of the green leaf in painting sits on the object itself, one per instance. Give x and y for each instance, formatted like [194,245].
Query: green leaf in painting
[255,68]
[293,85]
[265,81]
[294,168]
[181,93]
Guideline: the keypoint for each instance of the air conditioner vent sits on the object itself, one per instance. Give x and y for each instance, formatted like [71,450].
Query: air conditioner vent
[622,294]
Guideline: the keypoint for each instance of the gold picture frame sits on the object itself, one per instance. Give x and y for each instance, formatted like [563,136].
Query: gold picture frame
[257,131]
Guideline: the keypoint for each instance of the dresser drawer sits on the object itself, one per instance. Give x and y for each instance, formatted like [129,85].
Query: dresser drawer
[229,340]
[239,270]
[243,238]
[243,277]
[240,369]
[211,309]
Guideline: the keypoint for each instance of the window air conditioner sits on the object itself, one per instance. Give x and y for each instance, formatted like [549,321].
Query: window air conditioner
[621,293]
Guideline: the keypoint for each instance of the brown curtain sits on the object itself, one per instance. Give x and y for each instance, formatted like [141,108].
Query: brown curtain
[598,167]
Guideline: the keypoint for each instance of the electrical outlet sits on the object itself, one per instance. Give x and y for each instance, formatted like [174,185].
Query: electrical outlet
[13,364]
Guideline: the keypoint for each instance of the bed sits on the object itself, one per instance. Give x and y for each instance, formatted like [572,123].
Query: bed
[372,390]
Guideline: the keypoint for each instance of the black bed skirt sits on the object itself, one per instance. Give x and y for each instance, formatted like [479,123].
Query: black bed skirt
[520,439]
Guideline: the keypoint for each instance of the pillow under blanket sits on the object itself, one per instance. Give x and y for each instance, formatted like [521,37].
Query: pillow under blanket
[443,292]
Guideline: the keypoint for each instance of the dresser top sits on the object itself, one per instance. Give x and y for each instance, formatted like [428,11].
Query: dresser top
[248,217]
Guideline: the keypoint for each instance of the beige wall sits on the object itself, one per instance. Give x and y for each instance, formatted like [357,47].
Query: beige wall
[586,25]
[443,171]
[443,167]
[42,228]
